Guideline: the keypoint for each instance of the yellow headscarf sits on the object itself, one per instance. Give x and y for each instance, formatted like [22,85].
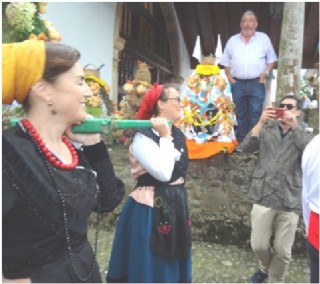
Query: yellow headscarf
[22,66]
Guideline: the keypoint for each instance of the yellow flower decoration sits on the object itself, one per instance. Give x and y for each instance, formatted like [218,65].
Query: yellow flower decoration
[206,70]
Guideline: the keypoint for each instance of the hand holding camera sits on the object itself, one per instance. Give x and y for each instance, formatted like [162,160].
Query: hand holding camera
[271,113]
[278,112]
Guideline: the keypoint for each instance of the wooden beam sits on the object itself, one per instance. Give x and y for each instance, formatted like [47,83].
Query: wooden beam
[206,28]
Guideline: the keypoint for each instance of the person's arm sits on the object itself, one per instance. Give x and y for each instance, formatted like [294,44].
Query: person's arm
[271,58]
[228,74]
[255,132]
[269,68]
[251,141]
[300,137]
[96,153]
[112,188]
[158,160]
[9,196]
[226,62]
[264,75]
[266,115]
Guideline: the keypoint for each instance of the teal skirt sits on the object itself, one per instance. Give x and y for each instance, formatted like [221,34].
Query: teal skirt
[131,258]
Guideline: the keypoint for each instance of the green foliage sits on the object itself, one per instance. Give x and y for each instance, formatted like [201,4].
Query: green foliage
[39,26]
[305,88]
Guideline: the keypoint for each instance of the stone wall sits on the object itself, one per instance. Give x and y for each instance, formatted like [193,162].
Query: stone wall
[217,189]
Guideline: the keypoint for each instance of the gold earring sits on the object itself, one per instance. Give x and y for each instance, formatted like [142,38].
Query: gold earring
[53,112]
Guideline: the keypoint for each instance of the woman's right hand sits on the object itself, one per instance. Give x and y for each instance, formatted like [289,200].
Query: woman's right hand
[160,124]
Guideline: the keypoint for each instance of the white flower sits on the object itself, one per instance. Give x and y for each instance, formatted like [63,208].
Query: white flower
[20,15]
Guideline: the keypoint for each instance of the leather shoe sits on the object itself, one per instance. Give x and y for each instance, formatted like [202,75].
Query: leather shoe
[258,277]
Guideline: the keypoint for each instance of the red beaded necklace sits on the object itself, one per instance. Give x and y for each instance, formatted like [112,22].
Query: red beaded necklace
[44,149]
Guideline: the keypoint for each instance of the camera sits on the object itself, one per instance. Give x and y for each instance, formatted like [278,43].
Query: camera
[279,112]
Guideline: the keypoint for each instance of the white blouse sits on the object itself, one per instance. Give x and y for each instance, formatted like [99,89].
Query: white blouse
[158,160]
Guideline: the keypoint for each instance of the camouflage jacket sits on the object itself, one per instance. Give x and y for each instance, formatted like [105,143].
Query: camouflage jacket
[277,178]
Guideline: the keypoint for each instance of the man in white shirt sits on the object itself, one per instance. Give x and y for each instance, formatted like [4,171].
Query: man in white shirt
[248,59]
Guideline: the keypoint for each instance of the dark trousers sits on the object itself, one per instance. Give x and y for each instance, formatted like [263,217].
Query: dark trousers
[314,263]
[248,97]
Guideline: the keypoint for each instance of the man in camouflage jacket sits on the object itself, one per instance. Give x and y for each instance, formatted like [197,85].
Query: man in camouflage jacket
[276,187]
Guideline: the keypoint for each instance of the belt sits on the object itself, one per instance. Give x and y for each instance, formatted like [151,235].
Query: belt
[257,78]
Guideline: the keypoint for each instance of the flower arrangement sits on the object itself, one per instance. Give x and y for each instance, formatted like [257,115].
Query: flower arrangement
[20,16]
[208,109]
[21,21]
[99,104]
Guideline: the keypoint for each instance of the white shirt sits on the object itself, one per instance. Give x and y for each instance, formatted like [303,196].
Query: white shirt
[311,179]
[248,60]
[158,160]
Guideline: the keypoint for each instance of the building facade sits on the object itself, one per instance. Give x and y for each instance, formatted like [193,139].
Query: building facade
[122,34]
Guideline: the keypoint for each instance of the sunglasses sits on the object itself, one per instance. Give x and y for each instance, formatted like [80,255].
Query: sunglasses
[176,99]
[288,106]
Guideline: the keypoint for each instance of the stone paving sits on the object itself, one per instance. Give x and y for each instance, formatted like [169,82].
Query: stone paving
[214,263]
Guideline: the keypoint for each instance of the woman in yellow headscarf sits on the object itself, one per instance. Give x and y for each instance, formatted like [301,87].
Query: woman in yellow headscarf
[49,187]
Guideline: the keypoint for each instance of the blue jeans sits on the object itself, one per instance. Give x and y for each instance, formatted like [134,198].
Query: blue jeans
[248,96]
